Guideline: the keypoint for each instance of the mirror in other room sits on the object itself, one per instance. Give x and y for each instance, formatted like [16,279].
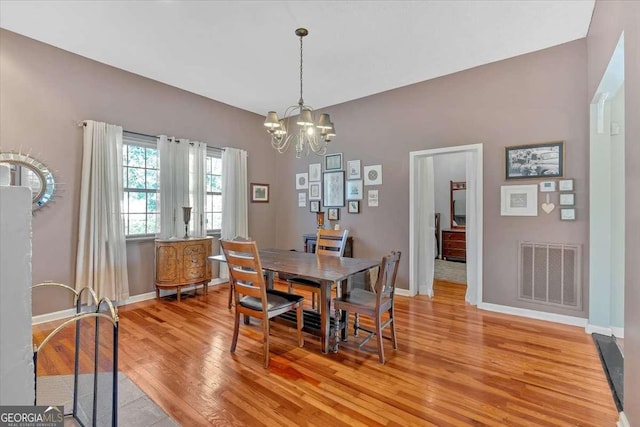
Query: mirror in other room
[458,204]
[26,171]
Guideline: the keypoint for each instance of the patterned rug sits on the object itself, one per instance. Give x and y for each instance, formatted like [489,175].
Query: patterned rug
[451,271]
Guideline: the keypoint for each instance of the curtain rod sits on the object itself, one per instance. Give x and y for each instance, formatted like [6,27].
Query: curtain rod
[84,124]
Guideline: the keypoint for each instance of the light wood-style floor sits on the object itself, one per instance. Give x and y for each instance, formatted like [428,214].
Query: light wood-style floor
[455,366]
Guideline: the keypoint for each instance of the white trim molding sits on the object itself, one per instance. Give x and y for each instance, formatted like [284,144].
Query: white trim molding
[404,292]
[602,330]
[623,421]
[617,332]
[534,314]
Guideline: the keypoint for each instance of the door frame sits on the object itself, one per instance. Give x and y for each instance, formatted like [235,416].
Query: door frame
[414,156]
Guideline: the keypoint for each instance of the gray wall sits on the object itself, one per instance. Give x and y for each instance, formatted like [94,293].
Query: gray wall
[539,97]
[47,91]
[609,20]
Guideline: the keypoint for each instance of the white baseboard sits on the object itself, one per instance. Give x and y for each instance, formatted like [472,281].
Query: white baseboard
[404,292]
[534,314]
[70,312]
[623,421]
[617,332]
[602,330]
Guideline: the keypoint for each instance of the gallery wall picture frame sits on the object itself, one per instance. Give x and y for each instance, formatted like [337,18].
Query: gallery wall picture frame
[333,161]
[314,206]
[353,169]
[302,200]
[354,189]
[567,199]
[259,193]
[333,189]
[519,200]
[565,185]
[373,175]
[353,206]
[568,214]
[535,161]
[333,214]
[315,172]
[315,190]
[372,198]
[302,181]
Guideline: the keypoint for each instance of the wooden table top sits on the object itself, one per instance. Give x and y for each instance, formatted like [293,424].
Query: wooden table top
[311,266]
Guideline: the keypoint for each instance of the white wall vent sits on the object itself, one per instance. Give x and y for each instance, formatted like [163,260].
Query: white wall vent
[549,274]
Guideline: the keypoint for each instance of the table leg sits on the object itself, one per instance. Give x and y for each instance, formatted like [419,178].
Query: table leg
[325,314]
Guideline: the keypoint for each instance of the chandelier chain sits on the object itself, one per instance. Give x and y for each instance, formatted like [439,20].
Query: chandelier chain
[301,102]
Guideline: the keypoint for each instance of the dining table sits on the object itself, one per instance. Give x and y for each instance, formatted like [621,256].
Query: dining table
[326,270]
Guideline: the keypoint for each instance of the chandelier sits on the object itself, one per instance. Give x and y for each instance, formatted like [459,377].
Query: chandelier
[311,135]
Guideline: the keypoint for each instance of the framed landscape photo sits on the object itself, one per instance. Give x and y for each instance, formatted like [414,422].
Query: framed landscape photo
[534,161]
[333,161]
[519,200]
[353,206]
[259,193]
[333,187]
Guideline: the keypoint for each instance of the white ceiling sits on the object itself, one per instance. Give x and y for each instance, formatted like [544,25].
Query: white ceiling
[245,53]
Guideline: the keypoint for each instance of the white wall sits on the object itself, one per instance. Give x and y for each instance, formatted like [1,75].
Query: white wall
[446,168]
[16,353]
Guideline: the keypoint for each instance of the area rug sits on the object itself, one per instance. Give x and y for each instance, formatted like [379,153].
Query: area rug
[450,271]
[135,408]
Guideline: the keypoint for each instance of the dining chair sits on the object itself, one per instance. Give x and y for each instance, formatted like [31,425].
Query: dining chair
[252,298]
[374,304]
[328,242]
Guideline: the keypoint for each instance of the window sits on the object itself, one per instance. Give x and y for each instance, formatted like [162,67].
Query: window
[141,209]
[213,200]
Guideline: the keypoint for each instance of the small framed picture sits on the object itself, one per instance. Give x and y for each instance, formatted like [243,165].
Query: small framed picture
[565,185]
[519,200]
[315,190]
[567,214]
[315,172]
[353,169]
[302,181]
[314,206]
[333,214]
[373,175]
[354,189]
[567,199]
[547,186]
[534,161]
[333,189]
[333,162]
[302,200]
[353,206]
[372,198]
[259,193]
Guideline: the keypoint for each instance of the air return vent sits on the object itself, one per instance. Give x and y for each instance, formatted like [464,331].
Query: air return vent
[549,273]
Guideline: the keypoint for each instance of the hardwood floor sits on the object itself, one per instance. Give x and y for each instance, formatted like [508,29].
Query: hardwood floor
[455,366]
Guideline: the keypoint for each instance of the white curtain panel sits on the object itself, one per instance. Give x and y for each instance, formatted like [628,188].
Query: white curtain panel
[182,184]
[101,259]
[472,228]
[235,222]
[426,226]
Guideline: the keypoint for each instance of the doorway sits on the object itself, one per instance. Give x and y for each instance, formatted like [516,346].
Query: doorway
[422,206]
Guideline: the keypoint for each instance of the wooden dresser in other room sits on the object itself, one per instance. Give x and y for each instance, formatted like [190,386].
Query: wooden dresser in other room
[454,245]
[182,262]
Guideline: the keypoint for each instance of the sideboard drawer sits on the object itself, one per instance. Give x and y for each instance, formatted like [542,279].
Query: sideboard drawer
[454,245]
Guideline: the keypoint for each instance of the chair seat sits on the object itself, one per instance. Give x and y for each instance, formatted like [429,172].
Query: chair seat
[303,281]
[275,300]
[357,297]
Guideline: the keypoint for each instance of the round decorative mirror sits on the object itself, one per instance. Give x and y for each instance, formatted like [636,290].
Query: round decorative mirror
[28,172]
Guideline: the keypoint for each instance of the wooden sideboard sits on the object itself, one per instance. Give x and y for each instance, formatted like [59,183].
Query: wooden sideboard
[182,262]
[310,245]
[454,245]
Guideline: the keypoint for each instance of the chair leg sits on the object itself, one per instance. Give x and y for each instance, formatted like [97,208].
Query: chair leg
[236,326]
[379,338]
[393,329]
[300,319]
[265,339]
[356,324]
[230,294]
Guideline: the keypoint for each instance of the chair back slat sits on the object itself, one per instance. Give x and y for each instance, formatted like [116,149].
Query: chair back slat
[331,242]
[245,268]
[386,283]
